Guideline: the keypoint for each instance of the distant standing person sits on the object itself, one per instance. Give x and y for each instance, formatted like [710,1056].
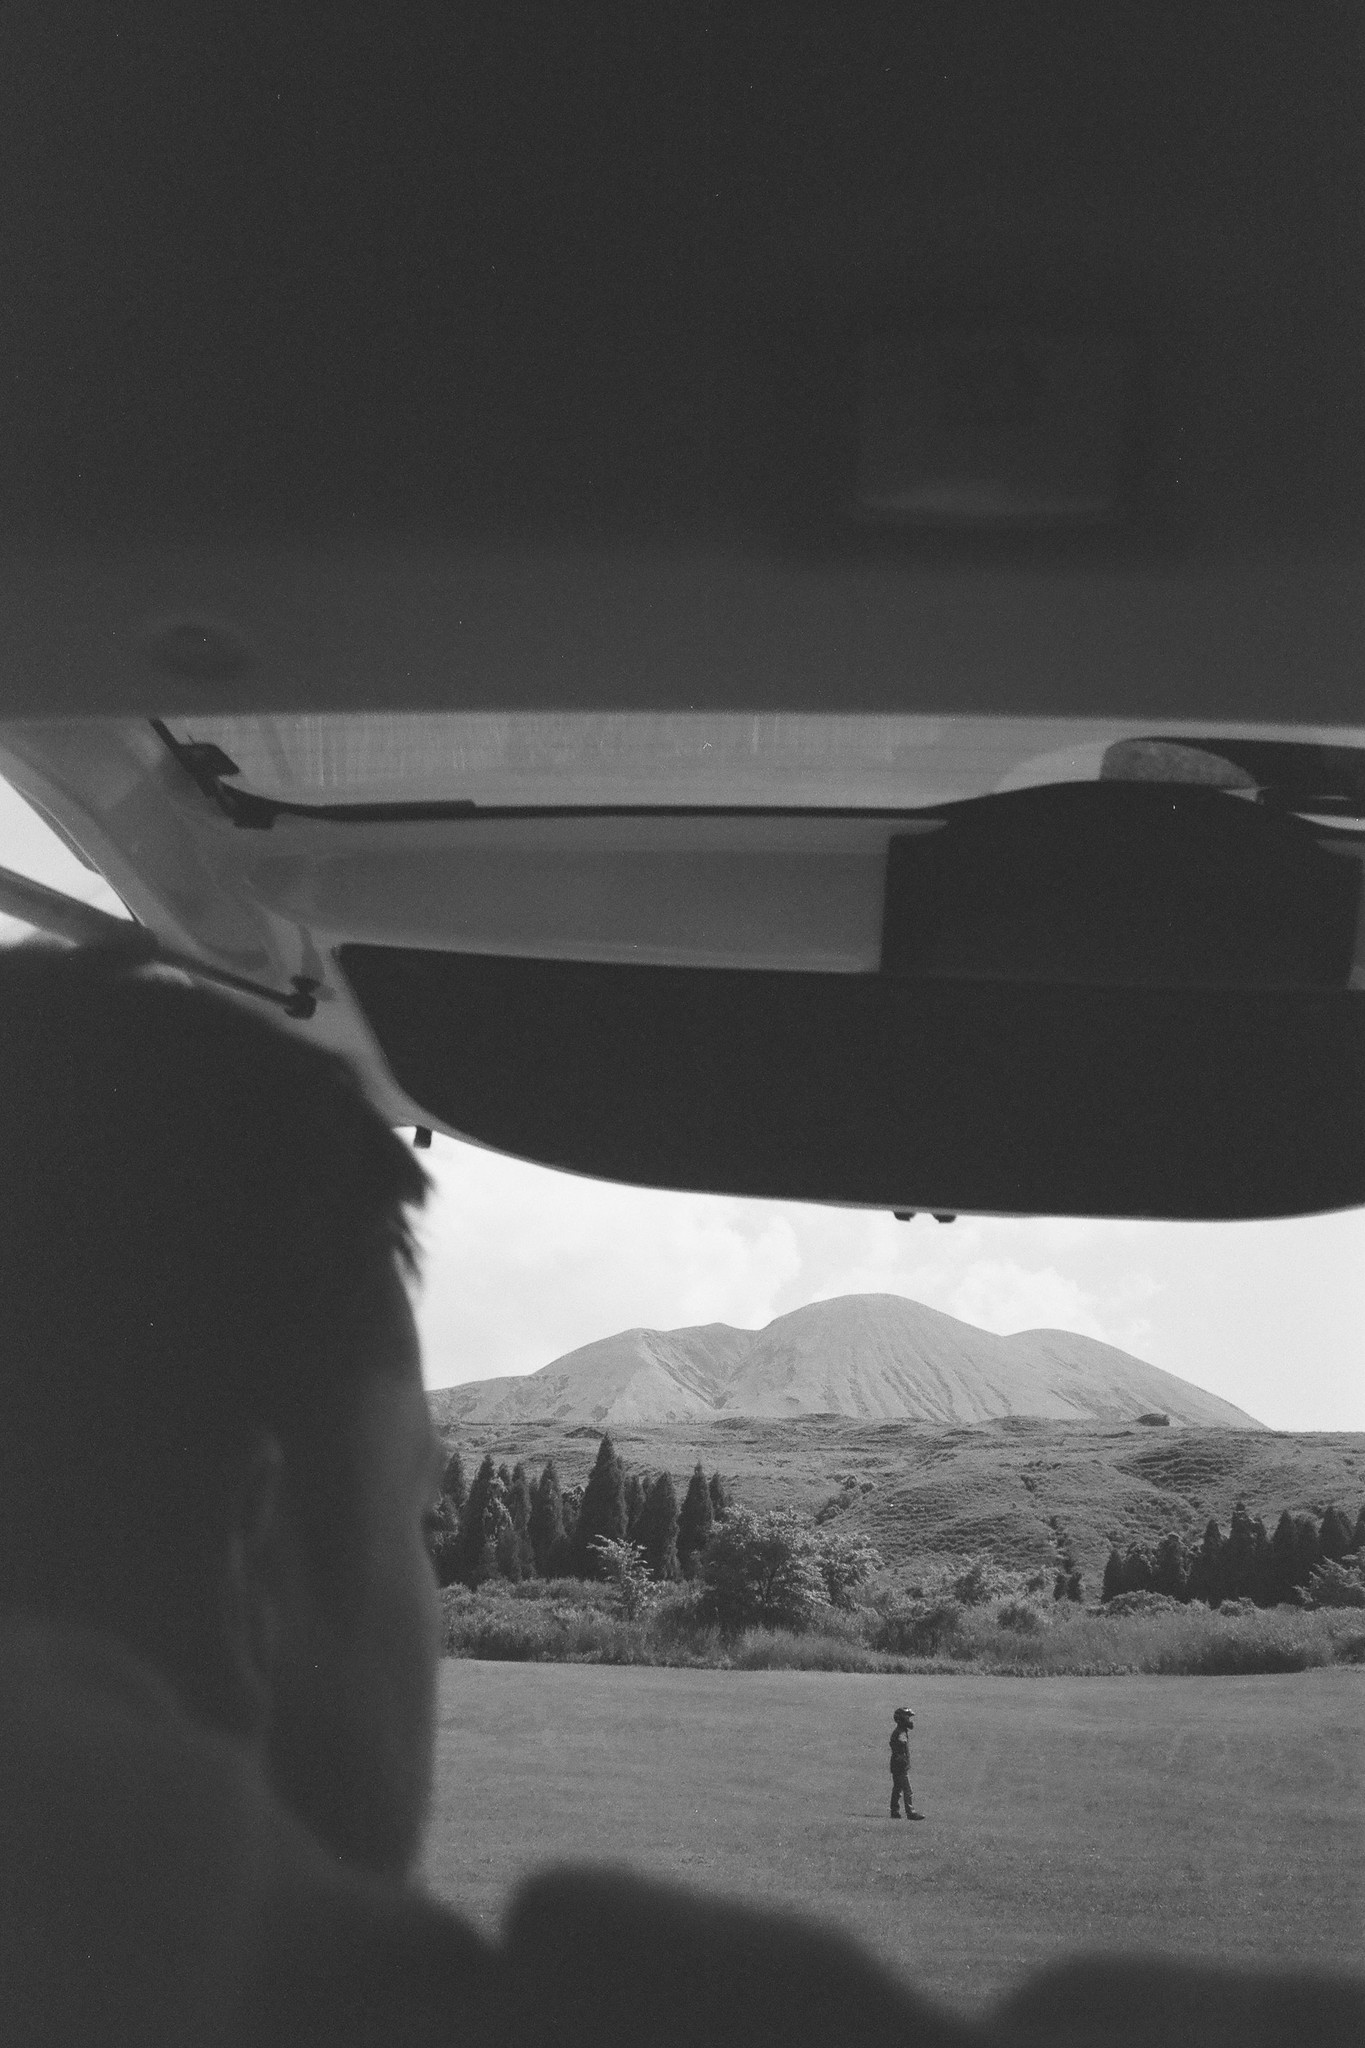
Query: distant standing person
[900,1765]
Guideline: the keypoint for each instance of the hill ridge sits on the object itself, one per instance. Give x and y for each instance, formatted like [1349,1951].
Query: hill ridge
[870,1357]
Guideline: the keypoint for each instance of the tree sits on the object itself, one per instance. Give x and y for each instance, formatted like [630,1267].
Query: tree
[657,1528]
[481,1524]
[1170,1568]
[1336,1535]
[1358,1533]
[1307,1549]
[1282,1560]
[1262,1566]
[1206,1567]
[1137,1570]
[603,1512]
[444,1541]
[762,1571]
[516,1555]
[695,1522]
[635,1499]
[1239,1555]
[546,1523]
[720,1499]
[1112,1583]
[453,1486]
[846,1563]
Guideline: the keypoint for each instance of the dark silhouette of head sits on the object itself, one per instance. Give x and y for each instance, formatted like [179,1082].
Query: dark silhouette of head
[213,1438]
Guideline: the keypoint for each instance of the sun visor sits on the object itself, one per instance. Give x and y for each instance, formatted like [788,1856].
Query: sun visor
[1121,883]
[867,1089]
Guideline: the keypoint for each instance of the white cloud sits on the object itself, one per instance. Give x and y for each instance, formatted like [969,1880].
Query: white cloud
[526,1264]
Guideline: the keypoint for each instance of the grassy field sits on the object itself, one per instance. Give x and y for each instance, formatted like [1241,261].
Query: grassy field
[1019,1488]
[1205,1817]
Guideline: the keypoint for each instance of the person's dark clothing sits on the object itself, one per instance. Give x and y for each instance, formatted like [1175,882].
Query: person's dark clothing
[900,1772]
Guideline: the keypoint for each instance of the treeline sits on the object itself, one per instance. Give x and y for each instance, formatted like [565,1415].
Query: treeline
[503,1524]
[1304,1555]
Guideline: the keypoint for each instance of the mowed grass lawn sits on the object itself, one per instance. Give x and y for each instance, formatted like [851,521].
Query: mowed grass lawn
[1206,1817]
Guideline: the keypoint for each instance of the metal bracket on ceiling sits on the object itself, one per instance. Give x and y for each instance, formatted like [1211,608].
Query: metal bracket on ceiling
[208,767]
[81,924]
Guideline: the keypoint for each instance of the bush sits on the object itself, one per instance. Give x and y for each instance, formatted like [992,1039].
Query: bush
[623,1565]
[1018,1615]
[920,1629]
[1337,1584]
[1143,1603]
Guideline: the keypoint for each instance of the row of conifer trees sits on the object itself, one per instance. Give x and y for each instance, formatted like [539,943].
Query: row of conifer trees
[503,1524]
[1247,1564]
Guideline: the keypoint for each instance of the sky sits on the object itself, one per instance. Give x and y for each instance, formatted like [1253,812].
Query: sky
[523,1264]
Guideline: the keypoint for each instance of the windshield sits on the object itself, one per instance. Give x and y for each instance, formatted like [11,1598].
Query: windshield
[742,761]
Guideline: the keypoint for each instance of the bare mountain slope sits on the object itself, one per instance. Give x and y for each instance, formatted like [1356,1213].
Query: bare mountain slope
[874,1357]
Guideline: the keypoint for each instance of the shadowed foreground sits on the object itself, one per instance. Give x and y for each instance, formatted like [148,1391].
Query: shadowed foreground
[1213,1819]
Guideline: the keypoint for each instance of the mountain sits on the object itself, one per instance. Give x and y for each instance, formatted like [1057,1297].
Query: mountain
[874,1357]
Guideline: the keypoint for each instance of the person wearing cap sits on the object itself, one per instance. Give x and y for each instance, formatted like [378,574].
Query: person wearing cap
[900,1765]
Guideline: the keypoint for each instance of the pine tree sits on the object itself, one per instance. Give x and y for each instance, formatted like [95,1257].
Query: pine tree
[453,1486]
[603,1512]
[1336,1535]
[694,1522]
[1282,1560]
[1112,1582]
[1239,1556]
[1137,1569]
[1262,1566]
[546,1524]
[658,1528]
[720,1499]
[479,1525]
[635,1500]
[1307,1549]
[1170,1567]
[519,1559]
[1206,1566]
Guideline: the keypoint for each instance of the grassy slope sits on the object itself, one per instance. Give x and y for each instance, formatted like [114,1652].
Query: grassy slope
[1211,1818]
[952,1491]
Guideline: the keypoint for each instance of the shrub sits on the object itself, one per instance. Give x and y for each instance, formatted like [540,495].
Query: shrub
[981,1580]
[1337,1584]
[623,1565]
[1018,1615]
[920,1629]
[1143,1602]
[837,1504]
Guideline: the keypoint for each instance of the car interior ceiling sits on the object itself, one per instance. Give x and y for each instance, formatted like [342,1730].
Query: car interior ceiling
[983,364]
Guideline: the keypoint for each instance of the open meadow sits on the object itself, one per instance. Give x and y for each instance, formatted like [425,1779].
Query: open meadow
[1210,1818]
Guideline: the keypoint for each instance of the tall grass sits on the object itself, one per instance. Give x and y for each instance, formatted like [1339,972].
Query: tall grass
[563,1621]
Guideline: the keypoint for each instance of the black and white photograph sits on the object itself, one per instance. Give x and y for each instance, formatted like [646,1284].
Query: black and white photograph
[682,1024]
